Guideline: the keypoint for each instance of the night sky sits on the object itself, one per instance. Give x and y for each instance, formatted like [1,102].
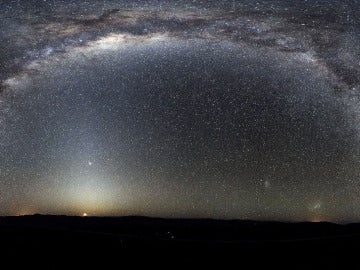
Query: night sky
[212,109]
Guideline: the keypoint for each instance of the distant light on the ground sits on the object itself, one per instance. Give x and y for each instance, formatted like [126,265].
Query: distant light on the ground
[84,214]
[315,220]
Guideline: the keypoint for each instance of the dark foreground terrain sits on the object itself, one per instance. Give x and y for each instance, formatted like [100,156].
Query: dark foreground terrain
[181,242]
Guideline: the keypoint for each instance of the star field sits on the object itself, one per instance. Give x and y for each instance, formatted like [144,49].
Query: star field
[238,109]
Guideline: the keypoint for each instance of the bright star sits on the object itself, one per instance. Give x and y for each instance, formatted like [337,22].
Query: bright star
[267,184]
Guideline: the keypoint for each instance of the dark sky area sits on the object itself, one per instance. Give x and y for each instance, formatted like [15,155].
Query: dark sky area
[220,109]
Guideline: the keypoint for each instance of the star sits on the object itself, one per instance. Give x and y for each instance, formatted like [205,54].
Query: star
[267,184]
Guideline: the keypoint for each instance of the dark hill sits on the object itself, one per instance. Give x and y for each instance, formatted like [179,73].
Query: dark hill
[203,241]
